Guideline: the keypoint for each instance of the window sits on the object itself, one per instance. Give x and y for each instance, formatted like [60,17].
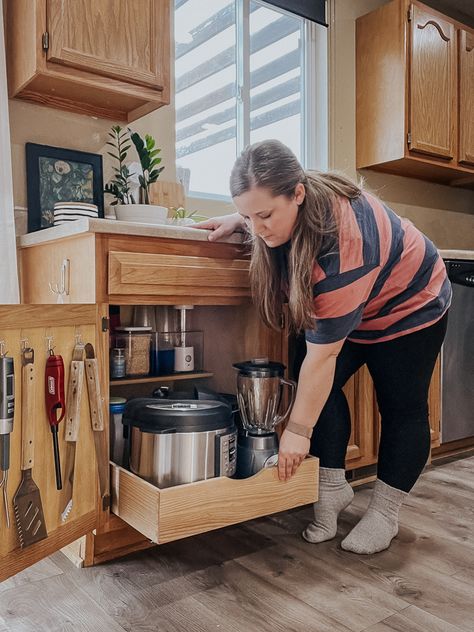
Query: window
[241,76]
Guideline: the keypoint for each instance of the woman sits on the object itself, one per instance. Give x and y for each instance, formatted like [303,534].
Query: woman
[367,288]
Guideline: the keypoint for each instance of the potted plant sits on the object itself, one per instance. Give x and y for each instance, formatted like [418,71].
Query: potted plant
[182,217]
[121,185]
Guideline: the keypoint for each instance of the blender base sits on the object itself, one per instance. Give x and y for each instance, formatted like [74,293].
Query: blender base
[254,453]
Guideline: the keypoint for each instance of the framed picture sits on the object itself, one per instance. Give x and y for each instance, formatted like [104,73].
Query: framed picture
[54,174]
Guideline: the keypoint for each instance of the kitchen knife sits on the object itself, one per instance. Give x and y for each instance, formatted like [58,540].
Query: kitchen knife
[97,421]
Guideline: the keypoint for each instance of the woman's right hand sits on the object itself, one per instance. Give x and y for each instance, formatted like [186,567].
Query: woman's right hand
[222,226]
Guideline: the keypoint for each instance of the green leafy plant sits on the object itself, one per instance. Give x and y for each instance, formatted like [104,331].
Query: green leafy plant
[119,185]
[182,213]
[149,160]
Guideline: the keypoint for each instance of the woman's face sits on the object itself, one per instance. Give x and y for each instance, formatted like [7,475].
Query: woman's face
[270,217]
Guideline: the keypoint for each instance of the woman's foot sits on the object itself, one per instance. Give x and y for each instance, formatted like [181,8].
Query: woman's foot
[335,494]
[379,525]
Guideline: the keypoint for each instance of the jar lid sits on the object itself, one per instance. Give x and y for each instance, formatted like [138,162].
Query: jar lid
[117,400]
[260,367]
[136,329]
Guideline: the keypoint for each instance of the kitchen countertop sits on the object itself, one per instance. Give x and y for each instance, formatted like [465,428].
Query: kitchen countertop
[457,254]
[115,227]
[111,226]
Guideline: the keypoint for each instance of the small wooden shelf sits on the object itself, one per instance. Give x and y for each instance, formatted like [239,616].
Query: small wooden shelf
[161,378]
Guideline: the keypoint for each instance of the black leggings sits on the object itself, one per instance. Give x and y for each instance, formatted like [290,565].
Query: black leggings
[401,370]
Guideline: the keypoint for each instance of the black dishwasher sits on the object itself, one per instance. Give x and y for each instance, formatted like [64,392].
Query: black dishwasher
[457,360]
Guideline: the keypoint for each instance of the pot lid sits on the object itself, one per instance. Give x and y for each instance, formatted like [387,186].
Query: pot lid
[168,416]
[260,367]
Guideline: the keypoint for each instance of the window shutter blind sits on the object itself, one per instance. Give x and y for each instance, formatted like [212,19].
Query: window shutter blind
[314,10]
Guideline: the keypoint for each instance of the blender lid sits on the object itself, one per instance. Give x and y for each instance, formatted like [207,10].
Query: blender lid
[260,367]
[166,416]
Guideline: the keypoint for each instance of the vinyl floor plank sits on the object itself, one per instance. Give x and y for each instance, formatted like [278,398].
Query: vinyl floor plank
[53,604]
[413,619]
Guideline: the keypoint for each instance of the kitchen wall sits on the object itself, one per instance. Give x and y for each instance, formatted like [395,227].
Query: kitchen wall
[445,214]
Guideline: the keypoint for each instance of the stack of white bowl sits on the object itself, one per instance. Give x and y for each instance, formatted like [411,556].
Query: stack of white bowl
[69,211]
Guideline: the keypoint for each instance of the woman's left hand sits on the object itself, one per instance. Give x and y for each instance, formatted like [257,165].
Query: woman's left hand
[293,449]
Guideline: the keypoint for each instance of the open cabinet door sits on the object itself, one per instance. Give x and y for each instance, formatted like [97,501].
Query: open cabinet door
[64,324]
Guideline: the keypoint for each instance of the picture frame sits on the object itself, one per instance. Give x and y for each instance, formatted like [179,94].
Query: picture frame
[57,174]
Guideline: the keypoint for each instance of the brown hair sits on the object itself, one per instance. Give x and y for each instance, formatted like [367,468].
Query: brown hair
[272,165]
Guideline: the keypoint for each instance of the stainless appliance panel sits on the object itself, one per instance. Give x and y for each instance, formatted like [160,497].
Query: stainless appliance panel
[457,412]
[177,458]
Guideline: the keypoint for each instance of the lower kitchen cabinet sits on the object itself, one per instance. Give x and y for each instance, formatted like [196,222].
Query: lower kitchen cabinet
[160,270]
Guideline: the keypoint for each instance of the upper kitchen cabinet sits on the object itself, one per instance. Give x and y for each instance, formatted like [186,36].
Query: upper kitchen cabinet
[466,97]
[108,58]
[415,94]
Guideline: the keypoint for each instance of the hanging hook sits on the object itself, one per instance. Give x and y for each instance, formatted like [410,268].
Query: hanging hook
[50,339]
[3,353]
[78,336]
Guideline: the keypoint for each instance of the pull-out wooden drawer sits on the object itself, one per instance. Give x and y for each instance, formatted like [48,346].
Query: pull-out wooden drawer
[164,275]
[163,515]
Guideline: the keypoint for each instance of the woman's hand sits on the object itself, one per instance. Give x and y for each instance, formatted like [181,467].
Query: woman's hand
[222,226]
[293,449]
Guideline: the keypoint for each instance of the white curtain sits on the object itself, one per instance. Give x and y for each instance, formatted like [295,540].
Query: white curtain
[9,292]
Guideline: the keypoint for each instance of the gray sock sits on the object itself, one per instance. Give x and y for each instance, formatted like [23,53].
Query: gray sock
[379,524]
[335,494]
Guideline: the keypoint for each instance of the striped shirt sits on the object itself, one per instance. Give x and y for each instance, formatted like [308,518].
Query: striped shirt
[381,279]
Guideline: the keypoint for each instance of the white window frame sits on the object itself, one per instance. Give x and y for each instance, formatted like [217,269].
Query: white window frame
[314,111]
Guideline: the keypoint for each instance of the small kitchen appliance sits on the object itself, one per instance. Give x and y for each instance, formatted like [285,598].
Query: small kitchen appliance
[260,385]
[171,442]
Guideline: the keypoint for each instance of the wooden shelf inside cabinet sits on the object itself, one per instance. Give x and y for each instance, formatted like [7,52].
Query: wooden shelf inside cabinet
[161,378]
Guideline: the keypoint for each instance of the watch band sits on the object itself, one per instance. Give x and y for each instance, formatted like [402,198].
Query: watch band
[299,429]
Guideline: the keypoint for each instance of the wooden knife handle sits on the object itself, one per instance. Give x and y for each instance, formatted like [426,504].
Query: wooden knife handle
[28,413]
[95,399]
[73,400]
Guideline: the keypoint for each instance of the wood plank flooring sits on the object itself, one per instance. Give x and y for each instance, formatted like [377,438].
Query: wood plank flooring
[262,576]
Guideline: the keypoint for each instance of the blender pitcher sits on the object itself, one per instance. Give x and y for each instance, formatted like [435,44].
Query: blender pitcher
[260,385]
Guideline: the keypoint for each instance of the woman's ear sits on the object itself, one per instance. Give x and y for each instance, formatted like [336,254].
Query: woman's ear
[300,193]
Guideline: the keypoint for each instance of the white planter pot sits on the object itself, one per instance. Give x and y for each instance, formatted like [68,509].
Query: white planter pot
[141,213]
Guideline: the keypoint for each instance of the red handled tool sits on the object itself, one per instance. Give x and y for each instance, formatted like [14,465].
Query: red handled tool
[55,400]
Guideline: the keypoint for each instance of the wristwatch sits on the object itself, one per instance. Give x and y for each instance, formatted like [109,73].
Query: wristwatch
[299,429]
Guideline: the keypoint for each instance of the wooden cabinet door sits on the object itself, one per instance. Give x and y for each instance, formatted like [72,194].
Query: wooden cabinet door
[33,323]
[466,97]
[433,89]
[363,443]
[114,38]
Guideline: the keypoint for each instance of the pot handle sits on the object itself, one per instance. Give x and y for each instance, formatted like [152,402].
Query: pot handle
[292,386]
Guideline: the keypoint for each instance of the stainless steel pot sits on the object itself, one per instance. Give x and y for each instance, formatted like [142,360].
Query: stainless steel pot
[176,442]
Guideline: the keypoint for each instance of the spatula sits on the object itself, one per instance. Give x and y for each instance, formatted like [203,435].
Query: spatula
[27,500]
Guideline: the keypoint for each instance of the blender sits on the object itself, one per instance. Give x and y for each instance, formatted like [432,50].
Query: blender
[260,385]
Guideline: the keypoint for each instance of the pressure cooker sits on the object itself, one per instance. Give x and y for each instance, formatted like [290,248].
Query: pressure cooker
[171,442]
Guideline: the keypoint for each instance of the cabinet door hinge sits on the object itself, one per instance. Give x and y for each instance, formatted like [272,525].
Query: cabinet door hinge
[282,321]
[410,13]
[409,138]
[45,40]
[105,324]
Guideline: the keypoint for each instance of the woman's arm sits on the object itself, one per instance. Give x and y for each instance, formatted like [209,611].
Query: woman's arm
[222,226]
[314,385]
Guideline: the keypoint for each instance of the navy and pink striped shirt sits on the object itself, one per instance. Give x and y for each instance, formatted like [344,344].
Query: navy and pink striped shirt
[381,279]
